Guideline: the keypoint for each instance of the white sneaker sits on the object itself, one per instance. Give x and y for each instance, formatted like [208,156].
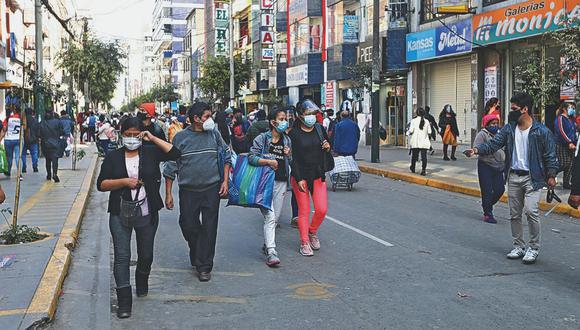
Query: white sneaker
[531,256]
[516,253]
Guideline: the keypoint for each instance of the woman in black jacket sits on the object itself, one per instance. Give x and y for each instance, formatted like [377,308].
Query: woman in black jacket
[132,174]
[51,132]
[449,131]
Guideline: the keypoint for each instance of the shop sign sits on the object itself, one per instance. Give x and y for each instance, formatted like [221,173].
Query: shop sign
[350,29]
[490,83]
[329,94]
[297,10]
[297,75]
[221,31]
[443,41]
[523,20]
[267,20]
[266,4]
[451,6]
[267,54]
[267,38]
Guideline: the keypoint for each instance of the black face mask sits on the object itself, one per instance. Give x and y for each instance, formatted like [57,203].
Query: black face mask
[514,116]
[141,116]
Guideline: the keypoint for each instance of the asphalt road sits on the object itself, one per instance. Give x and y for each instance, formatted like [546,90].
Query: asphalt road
[394,255]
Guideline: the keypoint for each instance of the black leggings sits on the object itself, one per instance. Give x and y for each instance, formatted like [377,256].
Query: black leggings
[415,157]
[52,166]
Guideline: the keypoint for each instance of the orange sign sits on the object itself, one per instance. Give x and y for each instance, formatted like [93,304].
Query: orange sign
[523,20]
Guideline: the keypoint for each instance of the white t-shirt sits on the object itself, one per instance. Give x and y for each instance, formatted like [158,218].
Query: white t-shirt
[13,128]
[520,153]
[133,172]
[103,130]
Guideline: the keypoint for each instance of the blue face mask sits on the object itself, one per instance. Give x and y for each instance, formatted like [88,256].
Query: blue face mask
[282,126]
[492,129]
[571,112]
[310,120]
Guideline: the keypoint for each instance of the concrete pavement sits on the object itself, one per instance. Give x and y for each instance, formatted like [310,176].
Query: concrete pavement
[458,176]
[31,284]
[442,267]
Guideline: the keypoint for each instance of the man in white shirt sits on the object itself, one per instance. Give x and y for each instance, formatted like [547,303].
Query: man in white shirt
[530,165]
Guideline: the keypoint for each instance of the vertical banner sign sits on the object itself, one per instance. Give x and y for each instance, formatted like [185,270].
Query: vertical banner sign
[490,83]
[266,4]
[329,95]
[267,35]
[351,29]
[267,20]
[221,31]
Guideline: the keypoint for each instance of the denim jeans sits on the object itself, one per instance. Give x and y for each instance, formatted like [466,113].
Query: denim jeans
[294,206]
[12,152]
[33,155]
[492,185]
[122,248]
[105,146]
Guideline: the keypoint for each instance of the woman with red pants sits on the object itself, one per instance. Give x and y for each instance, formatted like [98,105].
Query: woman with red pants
[308,177]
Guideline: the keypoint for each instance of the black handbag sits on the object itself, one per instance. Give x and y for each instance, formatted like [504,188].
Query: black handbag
[131,213]
[327,159]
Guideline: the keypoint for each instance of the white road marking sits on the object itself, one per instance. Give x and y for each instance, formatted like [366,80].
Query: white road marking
[358,231]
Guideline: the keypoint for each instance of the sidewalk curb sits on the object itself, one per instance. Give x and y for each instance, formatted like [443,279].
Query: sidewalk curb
[562,208]
[43,305]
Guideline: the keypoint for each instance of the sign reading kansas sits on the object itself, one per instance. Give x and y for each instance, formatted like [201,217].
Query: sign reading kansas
[451,39]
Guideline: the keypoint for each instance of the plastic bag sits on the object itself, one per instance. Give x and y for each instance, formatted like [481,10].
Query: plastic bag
[251,186]
[3,160]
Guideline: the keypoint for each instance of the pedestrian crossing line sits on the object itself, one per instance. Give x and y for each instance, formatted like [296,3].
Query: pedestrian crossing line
[207,299]
[181,270]
[358,231]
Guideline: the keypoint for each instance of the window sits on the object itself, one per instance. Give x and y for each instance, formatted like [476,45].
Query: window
[428,12]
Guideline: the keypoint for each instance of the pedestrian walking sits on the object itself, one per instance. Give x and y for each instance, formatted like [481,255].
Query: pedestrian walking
[81,117]
[239,130]
[433,136]
[146,114]
[130,174]
[91,126]
[529,165]
[490,169]
[51,134]
[104,134]
[31,136]
[574,199]
[449,131]
[202,175]
[346,136]
[258,127]
[11,135]
[419,130]
[308,175]
[68,126]
[273,149]
[565,135]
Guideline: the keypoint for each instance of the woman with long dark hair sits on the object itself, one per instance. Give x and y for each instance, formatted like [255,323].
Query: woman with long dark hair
[449,131]
[273,148]
[309,143]
[420,130]
[131,175]
[565,134]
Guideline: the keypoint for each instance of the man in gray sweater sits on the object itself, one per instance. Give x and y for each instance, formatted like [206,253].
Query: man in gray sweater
[200,173]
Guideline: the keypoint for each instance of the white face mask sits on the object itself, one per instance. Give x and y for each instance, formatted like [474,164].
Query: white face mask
[209,125]
[131,143]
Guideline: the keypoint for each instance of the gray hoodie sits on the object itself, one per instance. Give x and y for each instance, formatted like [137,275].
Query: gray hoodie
[198,169]
[495,160]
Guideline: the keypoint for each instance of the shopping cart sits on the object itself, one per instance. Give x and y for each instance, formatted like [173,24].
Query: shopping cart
[345,173]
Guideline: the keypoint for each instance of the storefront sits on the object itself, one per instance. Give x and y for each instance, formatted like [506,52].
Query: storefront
[515,38]
[443,72]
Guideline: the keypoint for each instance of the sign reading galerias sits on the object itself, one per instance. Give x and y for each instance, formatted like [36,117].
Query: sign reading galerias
[523,20]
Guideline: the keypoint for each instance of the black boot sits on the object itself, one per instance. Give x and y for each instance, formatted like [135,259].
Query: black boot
[124,302]
[141,283]
[445,148]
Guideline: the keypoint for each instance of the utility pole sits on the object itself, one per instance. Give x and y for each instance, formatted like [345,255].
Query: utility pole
[38,99]
[231,39]
[376,80]
[84,40]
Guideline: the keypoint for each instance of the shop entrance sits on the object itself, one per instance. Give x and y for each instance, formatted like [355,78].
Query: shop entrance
[395,119]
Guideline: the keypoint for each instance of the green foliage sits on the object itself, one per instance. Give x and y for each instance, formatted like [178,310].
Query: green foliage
[272,100]
[18,234]
[361,76]
[48,87]
[215,79]
[534,78]
[81,154]
[96,62]
[163,94]
[569,38]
